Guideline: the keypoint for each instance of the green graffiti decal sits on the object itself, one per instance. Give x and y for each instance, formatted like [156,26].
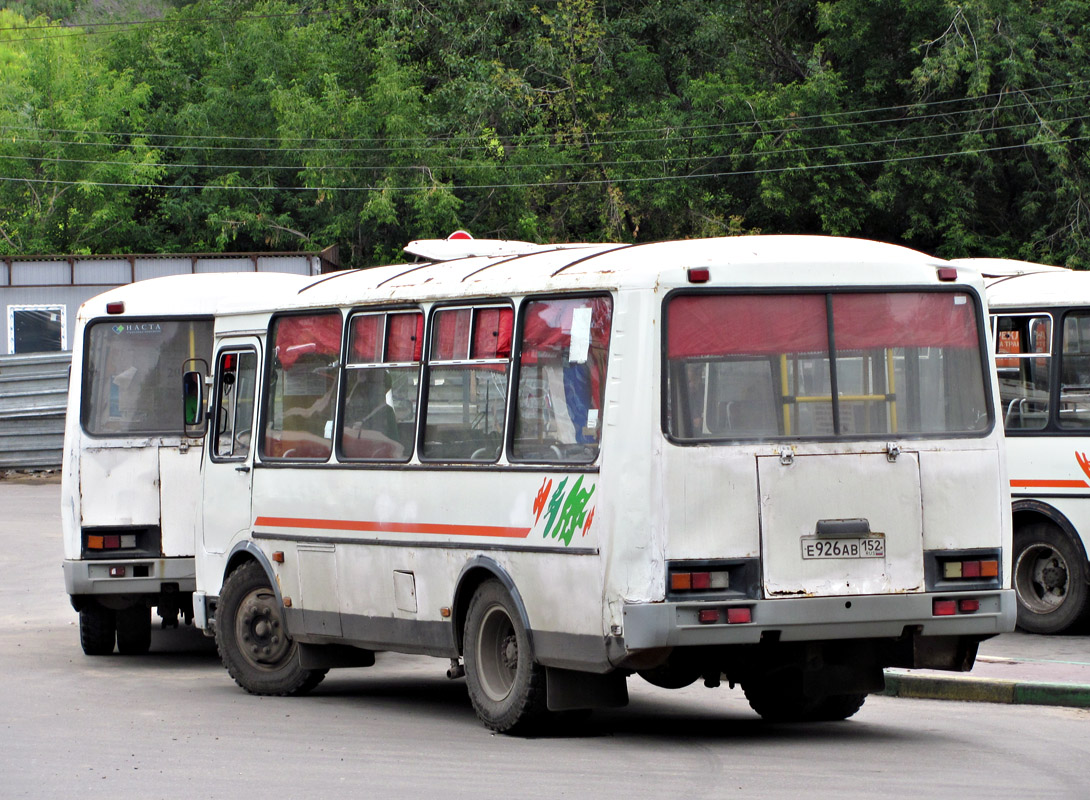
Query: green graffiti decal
[568,512]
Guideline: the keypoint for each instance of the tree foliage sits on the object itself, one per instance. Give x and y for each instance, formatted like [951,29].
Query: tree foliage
[953,127]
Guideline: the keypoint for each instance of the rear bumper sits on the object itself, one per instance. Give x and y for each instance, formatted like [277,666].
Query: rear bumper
[141,576]
[676,624]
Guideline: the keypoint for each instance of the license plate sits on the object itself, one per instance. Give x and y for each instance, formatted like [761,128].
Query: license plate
[872,546]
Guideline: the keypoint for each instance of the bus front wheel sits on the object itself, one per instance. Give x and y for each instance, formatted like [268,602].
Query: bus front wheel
[96,630]
[251,637]
[1050,579]
[506,687]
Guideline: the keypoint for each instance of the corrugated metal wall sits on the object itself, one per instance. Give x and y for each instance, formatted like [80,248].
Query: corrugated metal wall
[33,395]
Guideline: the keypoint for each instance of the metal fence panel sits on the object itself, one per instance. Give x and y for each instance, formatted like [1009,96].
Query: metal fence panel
[33,397]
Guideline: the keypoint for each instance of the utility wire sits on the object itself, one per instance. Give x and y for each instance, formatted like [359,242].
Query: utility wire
[742,128]
[514,166]
[561,183]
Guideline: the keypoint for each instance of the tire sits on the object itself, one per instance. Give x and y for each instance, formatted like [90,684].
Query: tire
[1050,575]
[780,698]
[836,707]
[506,687]
[96,630]
[252,640]
[133,630]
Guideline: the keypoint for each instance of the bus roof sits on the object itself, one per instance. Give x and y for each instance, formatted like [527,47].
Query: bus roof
[1055,287]
[1004,267]
[757,261]
[195,294]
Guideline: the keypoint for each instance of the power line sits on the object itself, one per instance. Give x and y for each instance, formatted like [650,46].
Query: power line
[561,183]
[695,140]
[514,166]
[471,141]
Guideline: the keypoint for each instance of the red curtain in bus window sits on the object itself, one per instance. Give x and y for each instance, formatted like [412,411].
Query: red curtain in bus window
[492,333]
[404,337]
[546,329]
[904,319]
[365,339]
[298,336]
[450,341]
[709,325]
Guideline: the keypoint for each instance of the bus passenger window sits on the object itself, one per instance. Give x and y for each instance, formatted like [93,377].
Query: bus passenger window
[1023,361]
[1074,405]
[300,398]
[469,354]
[382,378]
[561,379]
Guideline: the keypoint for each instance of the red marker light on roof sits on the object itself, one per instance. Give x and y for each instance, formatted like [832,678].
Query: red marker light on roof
[948,273]
[459,235]
[116,307]
[699,275]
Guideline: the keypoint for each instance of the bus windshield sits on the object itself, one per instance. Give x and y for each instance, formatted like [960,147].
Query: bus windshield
[133,372]
[859,364]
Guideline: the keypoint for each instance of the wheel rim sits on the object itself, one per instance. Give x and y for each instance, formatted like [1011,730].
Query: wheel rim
[497,653]
[260,630]
[1041,578]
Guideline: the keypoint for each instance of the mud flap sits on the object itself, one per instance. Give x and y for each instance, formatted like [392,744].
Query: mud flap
[568,689]
[955,653]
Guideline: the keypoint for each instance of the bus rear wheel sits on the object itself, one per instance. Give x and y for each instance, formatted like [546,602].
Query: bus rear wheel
[506,687]
[1049,578]
[252,640]
[96,630]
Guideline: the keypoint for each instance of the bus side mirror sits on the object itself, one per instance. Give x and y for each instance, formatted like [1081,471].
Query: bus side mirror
[193,396]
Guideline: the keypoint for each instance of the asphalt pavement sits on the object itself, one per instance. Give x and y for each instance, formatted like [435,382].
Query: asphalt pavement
[1018,668]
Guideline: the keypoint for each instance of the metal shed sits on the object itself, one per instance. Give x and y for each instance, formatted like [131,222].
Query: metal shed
[39,297]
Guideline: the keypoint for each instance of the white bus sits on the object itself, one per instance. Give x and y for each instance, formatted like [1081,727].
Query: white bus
[1041,325]
[773,460]
[130,468]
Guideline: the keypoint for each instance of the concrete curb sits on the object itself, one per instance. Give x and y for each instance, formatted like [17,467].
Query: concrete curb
[985,690]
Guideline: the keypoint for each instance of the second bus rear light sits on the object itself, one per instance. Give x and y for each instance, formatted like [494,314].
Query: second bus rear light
[699,581]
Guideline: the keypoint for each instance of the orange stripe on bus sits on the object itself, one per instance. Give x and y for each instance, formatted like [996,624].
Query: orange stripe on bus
[393,527]
[1023,484]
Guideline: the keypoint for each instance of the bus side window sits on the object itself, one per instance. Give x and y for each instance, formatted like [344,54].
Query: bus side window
[382,376]
[468,360]
[1023,364]
[561,379]
[234,409]
[1074,405]
[301,396]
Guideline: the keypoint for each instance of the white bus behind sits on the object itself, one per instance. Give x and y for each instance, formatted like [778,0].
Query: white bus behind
[130,469]
[773,460]
[1041,327]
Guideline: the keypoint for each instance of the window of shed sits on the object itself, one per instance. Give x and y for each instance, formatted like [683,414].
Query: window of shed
[36,329]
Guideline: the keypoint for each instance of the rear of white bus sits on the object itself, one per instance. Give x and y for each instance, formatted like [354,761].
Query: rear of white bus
[130,470]
[833,489]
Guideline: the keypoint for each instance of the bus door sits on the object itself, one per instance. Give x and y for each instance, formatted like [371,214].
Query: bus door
[227,480]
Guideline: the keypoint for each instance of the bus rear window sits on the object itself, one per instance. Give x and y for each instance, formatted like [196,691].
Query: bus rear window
[133,374]
[845,364]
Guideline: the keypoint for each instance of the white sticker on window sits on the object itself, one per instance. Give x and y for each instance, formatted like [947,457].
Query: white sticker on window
[328,433]
[592,419]
[580,336]
[959,299]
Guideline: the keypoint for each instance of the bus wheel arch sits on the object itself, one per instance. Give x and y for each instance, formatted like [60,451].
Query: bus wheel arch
[252,638]
[507,687]
[473,574]
[1049,572]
